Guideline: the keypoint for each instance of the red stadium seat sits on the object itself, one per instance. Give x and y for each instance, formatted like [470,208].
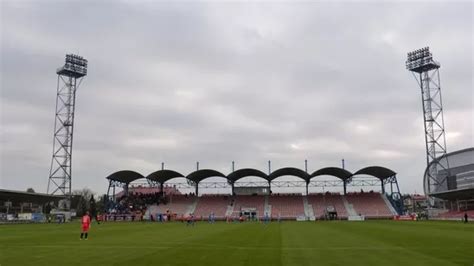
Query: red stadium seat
[212,203]
[370,205]
[287,206]
[320,202]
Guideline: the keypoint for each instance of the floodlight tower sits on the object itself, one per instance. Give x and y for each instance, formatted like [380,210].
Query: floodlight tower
[70,77]
[426,71]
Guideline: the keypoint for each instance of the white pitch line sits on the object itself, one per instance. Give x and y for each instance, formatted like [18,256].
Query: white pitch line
[204,247]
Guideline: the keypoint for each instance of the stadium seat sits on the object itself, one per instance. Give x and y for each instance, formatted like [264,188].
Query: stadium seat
[321,201]
[212,203]
[178,204]
[370,205]
[287,206]
[257,202]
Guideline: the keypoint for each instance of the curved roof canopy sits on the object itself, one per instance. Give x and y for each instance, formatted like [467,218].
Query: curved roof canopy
[125,176]
[199,175]
[161,176]
[333,171]
[241,173]
[289,171]
[376,171]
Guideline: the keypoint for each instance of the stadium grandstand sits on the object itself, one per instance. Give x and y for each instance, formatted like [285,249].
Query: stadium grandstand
[455,197]
[158,199]
[20,206]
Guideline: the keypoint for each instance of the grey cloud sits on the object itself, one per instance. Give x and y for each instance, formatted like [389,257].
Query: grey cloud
[232,81]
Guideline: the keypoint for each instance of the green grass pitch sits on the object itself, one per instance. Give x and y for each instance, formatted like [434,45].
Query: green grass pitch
[286,243]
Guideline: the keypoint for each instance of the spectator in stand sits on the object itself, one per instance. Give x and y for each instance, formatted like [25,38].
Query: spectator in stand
[135,202]
[190,220]
[98,218]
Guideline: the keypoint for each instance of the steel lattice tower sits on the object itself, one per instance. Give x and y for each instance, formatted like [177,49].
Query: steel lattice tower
[69,78]
[426,72]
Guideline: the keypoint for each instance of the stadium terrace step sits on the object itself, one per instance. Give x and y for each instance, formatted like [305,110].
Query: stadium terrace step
[349,207]
[389,204]
[320,202]
[308,208]
[230,210]
[286,206]
[192,207]
[178,204]
[242,202]
[268,208]
[370,205]
[151,210]
[456,215]
[207,204]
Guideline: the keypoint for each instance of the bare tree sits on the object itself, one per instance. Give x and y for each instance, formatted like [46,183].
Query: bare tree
[81,200]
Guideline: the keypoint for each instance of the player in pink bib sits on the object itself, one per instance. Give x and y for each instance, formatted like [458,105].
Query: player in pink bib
[86,224]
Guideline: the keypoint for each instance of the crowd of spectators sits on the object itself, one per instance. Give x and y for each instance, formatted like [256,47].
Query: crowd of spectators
[135,202]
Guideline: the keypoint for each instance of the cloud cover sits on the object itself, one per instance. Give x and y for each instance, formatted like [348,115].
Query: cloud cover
[221,82]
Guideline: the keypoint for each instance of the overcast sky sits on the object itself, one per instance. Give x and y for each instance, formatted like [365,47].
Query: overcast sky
[210,82]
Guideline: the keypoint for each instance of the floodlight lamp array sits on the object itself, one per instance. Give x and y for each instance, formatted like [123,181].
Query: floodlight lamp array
[75,64]
[419,58]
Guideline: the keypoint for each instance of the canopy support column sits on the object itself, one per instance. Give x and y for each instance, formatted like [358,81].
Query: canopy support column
[345,186]
[108,189]
[396,183]
[125,189]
